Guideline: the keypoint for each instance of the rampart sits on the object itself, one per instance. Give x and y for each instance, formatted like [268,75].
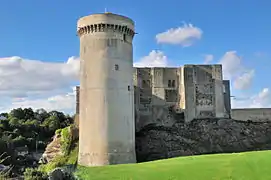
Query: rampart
[253,114]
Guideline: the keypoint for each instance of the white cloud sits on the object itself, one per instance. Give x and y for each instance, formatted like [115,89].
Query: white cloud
[22,77]
[244,81]
[231,64]
[60,102]
[154,59]
[260,100]
[33,83]
[208,58]
[185,35]
[234,70]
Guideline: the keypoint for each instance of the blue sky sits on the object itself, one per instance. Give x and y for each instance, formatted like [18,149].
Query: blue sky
[46,31]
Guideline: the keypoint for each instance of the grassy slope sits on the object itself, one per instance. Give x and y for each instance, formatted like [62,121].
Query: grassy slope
[239,166]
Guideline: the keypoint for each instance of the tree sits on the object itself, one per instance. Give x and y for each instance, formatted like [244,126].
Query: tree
[52,123]
[28,113]
[17,113]
[4,115]
[41,115]
[14,122]
[19,141]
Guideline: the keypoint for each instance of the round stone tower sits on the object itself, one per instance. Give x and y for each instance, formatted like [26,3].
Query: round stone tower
[106,128]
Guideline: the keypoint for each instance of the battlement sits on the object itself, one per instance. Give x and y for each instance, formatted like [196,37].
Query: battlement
[105,28]
[106,22]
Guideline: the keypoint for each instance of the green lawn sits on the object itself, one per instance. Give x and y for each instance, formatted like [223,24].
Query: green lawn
[237,166]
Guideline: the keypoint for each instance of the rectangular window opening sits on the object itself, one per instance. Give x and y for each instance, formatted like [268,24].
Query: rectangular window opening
[173,83]
[169,83]
[116,67]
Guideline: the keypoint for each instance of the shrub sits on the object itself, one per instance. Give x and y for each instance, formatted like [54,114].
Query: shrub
[56,162]
[58,132]
[5,173]
[34,174]
[66,140]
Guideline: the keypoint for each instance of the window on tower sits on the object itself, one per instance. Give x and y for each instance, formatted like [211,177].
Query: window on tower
[116,67]
[124,37]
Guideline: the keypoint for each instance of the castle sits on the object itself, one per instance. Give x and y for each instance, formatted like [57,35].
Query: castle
[116,99]
[196,91]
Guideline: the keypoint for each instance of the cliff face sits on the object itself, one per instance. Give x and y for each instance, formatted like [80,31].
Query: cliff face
[201,137]
[52,150]
[55,148]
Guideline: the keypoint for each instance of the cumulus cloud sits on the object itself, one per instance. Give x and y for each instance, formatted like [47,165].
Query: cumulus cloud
[21,77]
[154,59]
[60,102]
[234,70]
[244,81]
[231,64]
[260,100]
[208,58]
[37,84]
[184,35]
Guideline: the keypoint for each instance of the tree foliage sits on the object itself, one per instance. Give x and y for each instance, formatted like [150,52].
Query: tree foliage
[26,127]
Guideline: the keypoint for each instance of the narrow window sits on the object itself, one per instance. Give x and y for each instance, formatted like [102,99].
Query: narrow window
[128,88]
[169,83]
[116,67]
[173,83]
[124,37]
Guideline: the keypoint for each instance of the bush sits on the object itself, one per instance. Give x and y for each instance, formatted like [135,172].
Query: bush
[34,174]
[56,162]
[58,132]
[5,173]
[66,140]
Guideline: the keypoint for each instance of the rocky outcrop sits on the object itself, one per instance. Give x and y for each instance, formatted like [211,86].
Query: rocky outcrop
[52,150]
[201,137]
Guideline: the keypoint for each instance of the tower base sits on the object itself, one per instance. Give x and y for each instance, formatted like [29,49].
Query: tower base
[95,159]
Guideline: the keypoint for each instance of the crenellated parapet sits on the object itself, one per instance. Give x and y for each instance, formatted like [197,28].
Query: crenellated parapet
[105,28]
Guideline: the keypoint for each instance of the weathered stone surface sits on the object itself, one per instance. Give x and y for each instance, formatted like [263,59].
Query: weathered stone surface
[52,150]
[201,137]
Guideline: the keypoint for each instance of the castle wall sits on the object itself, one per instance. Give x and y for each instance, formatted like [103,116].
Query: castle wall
[197,90]
[254,114]
[189,88]
[204,97]
[157,90]
[227,97]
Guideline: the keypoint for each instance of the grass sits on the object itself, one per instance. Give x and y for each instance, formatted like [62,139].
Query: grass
[237,166]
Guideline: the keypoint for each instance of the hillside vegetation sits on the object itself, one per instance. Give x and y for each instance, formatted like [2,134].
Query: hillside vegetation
[238,166]
[28,129]
[69,150]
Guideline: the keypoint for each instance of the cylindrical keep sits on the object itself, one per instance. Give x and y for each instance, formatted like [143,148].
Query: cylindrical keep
[106,128]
